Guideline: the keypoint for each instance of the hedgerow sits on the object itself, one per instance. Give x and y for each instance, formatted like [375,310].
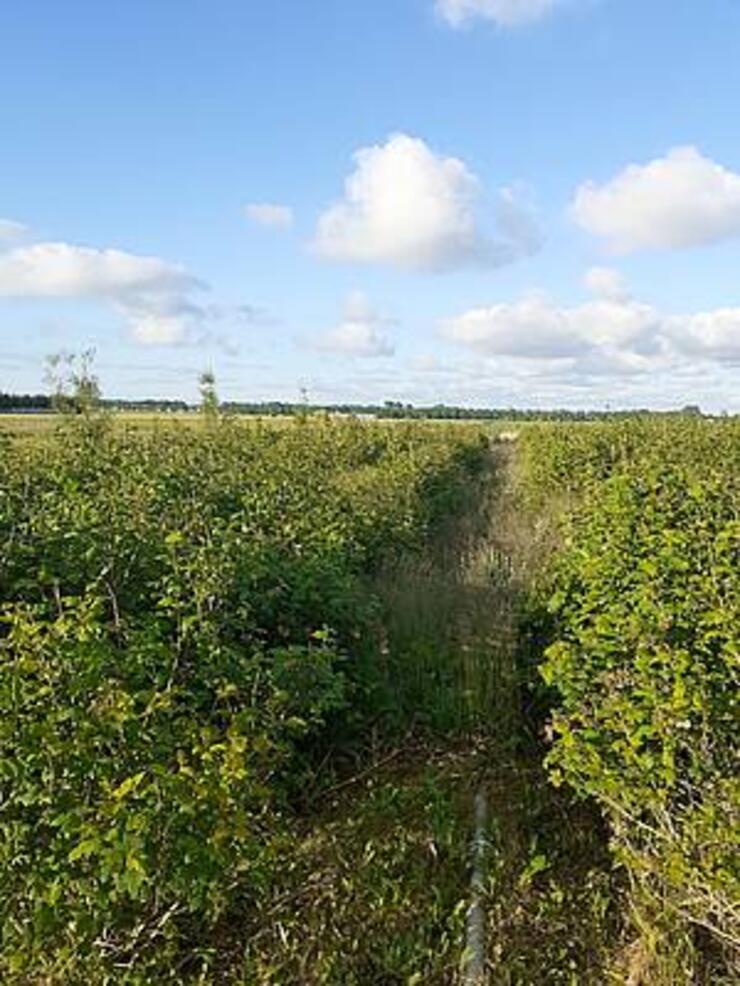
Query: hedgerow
[186,625]
[645,664]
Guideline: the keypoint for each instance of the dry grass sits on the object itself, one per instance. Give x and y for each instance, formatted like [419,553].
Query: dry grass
[20,425]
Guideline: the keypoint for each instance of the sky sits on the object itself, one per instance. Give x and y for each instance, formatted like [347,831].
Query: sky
[528,203]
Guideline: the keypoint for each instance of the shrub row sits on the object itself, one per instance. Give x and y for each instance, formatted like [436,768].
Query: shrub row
[185,625]
[645,658]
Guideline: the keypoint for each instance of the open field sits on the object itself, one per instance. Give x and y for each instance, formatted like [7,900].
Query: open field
[252,679]
[34,424]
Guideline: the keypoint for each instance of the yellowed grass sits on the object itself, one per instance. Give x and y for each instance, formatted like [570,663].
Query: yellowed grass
[34,424]
[38,424]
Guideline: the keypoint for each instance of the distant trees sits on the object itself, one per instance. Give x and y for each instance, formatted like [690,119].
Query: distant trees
[25,402]
[75,389]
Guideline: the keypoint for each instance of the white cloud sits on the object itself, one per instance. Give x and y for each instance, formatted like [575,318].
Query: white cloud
[269,214]
[681,200]
[712,334]
[531,328]
[360,333]
[63,270]
[407,207]
[538,328]
[505,13]
[11,230]
[614,334]
[163,319]
[152,295]
[606,353]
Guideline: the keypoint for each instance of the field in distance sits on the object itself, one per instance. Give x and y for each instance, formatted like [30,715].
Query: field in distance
[21,425]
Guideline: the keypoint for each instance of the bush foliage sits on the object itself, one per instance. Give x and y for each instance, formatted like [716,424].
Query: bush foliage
[645,661]
[185,625]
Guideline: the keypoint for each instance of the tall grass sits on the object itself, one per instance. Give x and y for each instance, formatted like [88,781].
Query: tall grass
[448,637]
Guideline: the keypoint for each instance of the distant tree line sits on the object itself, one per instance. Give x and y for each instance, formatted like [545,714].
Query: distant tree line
[43,402]
[152,405]
[447,412]
[25,402]
[389,409]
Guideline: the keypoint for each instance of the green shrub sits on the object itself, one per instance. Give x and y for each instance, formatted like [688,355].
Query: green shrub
[646,666]
[185,625]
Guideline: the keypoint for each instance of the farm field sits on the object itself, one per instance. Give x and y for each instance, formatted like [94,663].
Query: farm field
[19,425]
[252,678]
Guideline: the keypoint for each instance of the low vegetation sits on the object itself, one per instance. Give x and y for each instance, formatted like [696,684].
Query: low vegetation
[645,666]
[252,675]
[186,630]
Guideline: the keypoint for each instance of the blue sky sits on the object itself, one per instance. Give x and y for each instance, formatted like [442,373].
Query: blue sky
[485,202]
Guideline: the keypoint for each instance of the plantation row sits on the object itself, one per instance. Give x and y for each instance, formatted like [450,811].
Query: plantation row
[186,627]
[644,669]
[196,635]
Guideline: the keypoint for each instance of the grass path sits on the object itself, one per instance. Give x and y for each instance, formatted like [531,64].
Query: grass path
[377,893]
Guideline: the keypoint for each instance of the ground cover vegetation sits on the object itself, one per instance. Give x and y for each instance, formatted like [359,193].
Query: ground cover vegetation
[186,629]
[252,675]
[643,618]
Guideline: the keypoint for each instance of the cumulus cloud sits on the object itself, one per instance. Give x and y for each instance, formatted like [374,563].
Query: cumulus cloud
[407,207]
[539,328]
[594,354]
[531,328]
[713,334]
[681,200]
[63,270]
[11,230]
[156,299]
[505,13]
[269,214]
[152,294]
[612,334]
[360,332]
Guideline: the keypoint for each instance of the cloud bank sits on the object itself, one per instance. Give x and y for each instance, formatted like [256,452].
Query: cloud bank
[156,299]
[153,296]
[612,334]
